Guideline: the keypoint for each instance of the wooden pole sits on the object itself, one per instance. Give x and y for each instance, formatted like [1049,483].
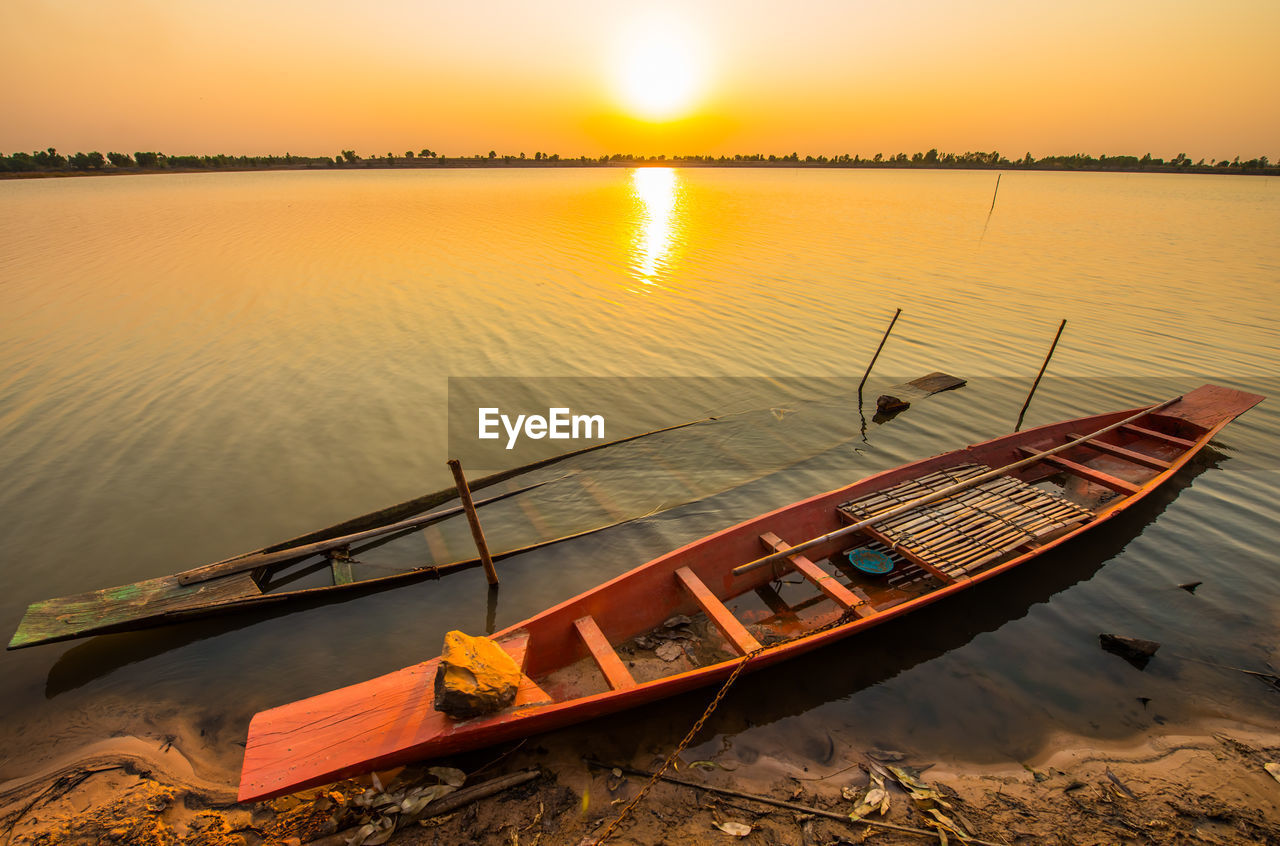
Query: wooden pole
[992,210]
[877,354]
[1036,383]
[464,493]
[943,493]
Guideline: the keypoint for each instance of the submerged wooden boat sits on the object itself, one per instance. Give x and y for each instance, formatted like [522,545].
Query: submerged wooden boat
[252,580]
[945,524]
[261,578]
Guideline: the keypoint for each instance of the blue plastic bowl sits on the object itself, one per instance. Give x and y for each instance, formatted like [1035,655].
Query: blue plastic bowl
[870,561]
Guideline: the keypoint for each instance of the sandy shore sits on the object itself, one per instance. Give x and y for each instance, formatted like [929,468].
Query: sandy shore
[1204,784]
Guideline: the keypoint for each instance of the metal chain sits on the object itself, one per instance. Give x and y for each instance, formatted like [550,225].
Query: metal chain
[697,726]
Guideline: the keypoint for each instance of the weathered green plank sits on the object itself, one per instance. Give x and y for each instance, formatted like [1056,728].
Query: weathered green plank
[342,572]
[118,607]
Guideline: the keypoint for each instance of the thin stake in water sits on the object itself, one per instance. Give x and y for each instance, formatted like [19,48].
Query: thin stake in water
[1036,383]
[464,493]
[992,210]
[877,353]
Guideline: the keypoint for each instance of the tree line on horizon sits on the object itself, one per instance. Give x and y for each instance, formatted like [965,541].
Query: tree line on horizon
[51,161]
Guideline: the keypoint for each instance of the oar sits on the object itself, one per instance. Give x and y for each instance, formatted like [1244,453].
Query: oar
[941,494]
[255,560]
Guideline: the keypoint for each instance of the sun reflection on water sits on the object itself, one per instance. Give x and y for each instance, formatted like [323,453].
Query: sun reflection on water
[657,192]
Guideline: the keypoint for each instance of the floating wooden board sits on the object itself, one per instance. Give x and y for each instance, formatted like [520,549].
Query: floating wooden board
[936,382]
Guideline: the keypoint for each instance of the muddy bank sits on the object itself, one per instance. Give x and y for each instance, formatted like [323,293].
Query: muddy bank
[1201,785]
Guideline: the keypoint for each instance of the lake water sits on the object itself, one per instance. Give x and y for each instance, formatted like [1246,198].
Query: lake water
[193,366]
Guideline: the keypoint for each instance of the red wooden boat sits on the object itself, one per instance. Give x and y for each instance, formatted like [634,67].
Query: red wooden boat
[945,524]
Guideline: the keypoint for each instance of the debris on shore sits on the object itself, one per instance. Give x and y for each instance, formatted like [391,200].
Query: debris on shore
[1215,788]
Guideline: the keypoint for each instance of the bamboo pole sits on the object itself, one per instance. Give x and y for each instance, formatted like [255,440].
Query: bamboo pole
[877,353]
[991,210]
[464,493]
[1036,383]
[944,493]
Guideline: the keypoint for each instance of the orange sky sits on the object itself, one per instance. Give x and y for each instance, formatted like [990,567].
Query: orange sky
[811,76]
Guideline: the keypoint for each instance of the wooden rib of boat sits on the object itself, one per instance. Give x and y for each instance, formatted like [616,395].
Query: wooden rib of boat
[947,523]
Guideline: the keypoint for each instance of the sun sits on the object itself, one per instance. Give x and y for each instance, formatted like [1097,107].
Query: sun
[660,74]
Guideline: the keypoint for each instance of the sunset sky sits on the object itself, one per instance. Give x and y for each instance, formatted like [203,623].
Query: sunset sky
[592,76]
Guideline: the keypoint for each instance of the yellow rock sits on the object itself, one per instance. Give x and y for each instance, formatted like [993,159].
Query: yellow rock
[476,676]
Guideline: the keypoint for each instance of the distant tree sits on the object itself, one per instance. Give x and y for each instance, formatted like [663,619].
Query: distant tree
[147,159]
[49,158]
[350,156]
[21,162]
[408,154]
[120,159]
[427,154]
[85,161]
[493,154]
[879,158]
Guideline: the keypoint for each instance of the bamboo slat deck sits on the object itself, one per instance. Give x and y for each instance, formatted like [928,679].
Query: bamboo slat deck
[973,527]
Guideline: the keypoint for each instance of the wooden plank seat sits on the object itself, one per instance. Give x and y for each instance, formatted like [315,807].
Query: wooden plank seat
[1087,473]
[1140,458]
[820,579]
[1144,432]
[951,537]
[615,672]
[729,626]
